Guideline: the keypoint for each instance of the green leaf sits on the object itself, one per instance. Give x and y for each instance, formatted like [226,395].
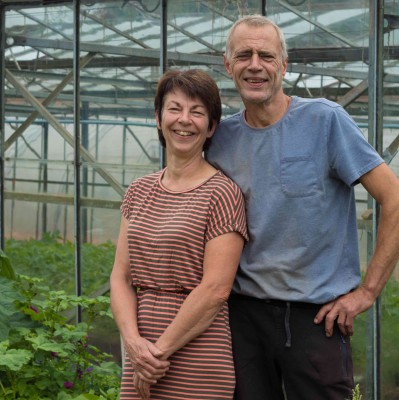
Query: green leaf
[87,396]
[5,267]
[13,359]
[9,296]
[42,343]
[8,310]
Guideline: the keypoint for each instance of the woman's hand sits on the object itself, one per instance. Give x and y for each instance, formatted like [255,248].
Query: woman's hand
[144,357]
[142,387]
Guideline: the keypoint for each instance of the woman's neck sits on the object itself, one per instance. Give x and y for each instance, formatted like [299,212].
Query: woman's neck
[182,175]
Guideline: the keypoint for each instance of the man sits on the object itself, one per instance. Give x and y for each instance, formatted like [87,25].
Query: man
[298,291]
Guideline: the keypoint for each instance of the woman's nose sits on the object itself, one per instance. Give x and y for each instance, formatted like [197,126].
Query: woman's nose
[184,116]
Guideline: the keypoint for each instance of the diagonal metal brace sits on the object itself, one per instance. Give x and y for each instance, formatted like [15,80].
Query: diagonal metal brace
[86,155]
[53,95]
[391,150]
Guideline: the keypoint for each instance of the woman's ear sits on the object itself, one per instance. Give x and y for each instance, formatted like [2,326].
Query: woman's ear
[212,129]
[158,120]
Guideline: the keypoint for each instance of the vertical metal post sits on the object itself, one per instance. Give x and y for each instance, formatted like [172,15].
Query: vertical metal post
[375,134]
[85,172]
[77,158]
[124,135]
[163,62]
[263,7]
[45,175]
[2,123]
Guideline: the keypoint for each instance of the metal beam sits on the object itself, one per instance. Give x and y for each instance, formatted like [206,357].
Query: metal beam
[391,151]
[354,93]
[150,57]
[53,95]
[64,133]
[61,199]
[315,23]
[2,125]
[375,134]
[117,50]
[114,29]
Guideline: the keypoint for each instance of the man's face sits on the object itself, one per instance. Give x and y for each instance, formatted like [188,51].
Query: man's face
[255,63]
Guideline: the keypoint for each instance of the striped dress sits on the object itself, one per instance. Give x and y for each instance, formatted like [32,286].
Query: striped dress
[166,238]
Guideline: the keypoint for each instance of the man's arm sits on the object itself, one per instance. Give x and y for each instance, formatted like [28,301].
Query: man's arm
[383,185]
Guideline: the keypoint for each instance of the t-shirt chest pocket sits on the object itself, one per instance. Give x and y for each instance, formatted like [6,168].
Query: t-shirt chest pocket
[299,176]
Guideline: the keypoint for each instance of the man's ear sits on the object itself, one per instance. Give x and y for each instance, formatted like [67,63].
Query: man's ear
[285,66]
[227,65]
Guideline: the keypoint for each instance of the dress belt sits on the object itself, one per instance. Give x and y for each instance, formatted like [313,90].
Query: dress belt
[180,290]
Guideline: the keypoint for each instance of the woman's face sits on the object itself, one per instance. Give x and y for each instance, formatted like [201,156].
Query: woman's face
[184,124]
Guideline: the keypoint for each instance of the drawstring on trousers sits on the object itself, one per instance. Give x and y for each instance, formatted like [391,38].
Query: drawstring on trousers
[287,324]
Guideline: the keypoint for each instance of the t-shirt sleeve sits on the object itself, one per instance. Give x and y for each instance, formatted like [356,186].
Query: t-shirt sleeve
[227,213]
[351,156]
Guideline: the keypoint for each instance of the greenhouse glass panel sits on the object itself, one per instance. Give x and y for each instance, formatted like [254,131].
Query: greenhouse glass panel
[120,62]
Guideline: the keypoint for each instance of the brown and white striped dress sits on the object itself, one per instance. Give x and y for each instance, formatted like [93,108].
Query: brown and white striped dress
[166,236]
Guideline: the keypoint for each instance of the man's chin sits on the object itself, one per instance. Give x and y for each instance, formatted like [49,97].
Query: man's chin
[255,99]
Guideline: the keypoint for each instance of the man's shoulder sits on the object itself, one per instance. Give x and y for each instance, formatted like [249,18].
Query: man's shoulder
[230,126]
[315,101]
[231,119]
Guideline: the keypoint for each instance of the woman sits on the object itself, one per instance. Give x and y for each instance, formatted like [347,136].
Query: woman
[181,236]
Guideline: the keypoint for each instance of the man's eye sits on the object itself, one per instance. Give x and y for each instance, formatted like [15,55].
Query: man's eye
[266,57]
[243,56]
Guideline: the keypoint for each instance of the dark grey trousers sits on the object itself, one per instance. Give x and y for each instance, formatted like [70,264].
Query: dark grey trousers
[279,353]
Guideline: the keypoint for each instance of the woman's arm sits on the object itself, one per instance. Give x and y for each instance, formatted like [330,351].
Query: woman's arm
[201,306]
[143,354]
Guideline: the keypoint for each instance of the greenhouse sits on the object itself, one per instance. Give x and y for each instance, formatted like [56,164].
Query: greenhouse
[77,126]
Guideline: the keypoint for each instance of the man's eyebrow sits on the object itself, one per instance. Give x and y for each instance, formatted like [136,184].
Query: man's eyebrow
[250,51]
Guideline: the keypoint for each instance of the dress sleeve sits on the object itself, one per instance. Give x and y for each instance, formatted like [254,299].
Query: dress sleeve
[227,213]
[127,203]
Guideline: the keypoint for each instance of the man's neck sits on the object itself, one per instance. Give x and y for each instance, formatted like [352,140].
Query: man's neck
[263,115]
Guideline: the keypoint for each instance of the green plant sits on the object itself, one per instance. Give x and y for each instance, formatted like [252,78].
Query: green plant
[389,336]
[53,258]
[356,395]
[41,355]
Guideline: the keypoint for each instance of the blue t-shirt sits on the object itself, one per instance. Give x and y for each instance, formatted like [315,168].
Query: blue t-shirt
[297,177]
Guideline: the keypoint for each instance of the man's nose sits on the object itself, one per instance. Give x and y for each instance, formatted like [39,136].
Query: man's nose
[255,61]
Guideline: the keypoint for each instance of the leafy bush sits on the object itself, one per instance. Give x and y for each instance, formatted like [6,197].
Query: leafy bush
[54,259]
[41,355]
[389,339]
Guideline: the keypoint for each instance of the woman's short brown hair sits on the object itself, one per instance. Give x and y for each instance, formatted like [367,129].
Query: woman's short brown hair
[196,84]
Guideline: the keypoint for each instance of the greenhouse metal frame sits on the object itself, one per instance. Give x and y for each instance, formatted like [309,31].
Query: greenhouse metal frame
[77,86]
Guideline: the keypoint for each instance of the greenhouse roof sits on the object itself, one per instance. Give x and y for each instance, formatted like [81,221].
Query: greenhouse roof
[121,48]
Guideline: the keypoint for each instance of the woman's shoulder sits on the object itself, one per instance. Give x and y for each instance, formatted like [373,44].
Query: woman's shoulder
[143,182]
[223,182]
[146,179]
